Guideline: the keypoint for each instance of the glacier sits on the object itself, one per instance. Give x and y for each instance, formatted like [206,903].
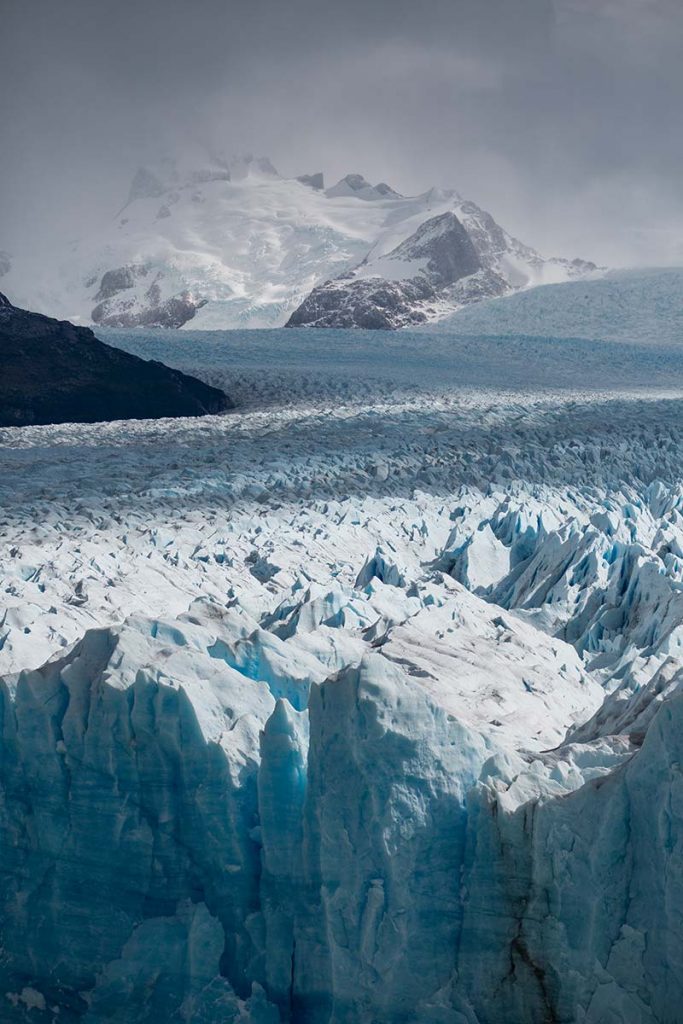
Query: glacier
[360,704]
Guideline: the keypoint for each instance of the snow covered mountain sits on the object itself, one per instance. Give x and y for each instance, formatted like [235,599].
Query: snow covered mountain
[224,243]
[420,271]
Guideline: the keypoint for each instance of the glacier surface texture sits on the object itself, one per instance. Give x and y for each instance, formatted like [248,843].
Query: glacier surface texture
[361,704]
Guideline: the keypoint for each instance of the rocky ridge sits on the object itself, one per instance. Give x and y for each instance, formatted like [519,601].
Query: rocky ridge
[54,372]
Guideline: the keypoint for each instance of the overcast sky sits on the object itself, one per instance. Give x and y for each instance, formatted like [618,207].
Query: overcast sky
[562,117]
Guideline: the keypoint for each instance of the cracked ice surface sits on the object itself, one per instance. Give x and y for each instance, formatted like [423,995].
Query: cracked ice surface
[357,705]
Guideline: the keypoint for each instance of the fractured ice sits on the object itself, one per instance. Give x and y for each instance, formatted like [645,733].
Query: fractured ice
[362,704]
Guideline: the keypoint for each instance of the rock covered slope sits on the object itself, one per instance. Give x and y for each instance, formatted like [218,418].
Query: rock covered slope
[53,372]
[219,243]
[363,704]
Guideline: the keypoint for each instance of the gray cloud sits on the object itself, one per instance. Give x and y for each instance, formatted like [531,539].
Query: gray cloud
[560,117]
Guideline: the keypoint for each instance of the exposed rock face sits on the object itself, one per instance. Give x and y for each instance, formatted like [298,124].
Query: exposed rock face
[173,312]
[119,306]
[315,181]
[445,246]
[115,281]
[371,305]
[357,187]
[145,185]
[53,372]
[387,190]
[352,183]
[399,289]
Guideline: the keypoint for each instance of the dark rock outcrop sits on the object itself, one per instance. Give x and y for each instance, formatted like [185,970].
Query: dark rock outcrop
[145,185]
[356,182]
[387,190]
[120,303]
[54,372]
[445,245]
[119,279]
[173,312]
[357,186]
[315,181]
[373,304]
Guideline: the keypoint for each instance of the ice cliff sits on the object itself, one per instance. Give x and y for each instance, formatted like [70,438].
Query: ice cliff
[440,817]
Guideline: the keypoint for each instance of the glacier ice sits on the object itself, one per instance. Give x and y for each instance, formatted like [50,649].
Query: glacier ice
[425,768]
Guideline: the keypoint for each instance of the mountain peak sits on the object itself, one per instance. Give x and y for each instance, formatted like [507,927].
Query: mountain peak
[446,246]
[387,190]
[356,182]
[145,185]
[199,168]
[400,288]
[315,181]
[246,165]
[358,187]
[211,240]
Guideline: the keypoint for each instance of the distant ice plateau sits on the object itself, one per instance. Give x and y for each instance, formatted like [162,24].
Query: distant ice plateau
[359,704]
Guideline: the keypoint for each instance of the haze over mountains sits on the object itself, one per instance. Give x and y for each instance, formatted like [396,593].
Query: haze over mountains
[227,242]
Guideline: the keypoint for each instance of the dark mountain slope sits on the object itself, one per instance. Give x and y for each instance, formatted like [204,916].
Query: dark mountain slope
[54,372]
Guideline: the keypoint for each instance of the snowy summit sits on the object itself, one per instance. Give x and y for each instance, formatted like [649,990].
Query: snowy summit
[227,243]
